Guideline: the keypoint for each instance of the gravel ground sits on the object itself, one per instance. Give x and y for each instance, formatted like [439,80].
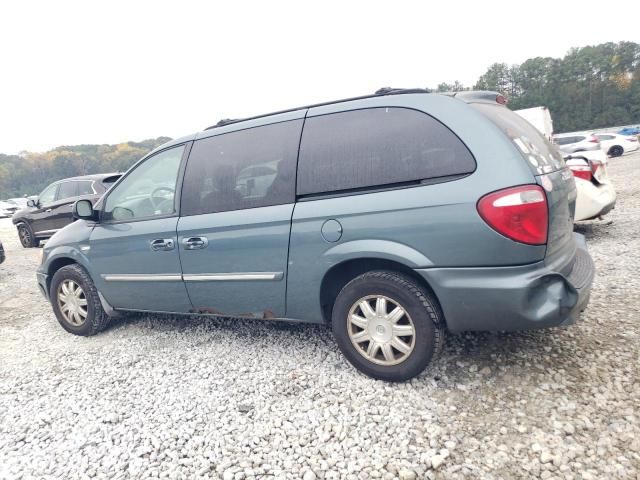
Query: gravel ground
[189,397]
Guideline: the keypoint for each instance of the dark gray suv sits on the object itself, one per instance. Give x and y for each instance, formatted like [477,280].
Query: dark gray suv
[393,218]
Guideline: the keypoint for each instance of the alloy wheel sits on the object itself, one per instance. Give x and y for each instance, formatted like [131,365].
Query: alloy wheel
[25,236]
[381,330]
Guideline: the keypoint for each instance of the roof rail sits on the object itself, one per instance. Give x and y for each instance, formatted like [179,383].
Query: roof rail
[380,92]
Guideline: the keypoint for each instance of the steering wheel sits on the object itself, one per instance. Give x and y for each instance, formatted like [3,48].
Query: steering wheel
[157,201]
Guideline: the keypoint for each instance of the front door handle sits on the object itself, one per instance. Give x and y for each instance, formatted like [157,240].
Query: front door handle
[162,244]
[195,243]
[47,210]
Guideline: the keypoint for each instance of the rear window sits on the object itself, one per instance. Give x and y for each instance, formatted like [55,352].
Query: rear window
[377,147]
[541,155]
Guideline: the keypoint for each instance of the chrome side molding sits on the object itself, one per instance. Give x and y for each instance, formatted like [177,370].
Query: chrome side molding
[198,277]
[217,277]
[135,277]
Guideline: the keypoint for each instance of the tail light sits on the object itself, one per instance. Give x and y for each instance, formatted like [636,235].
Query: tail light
[583,168]
[595,165]
[631,139]
[501,99]
[519,213]
[593,139]
[582,171]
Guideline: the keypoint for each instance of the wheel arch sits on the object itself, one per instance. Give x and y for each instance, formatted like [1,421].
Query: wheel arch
[55,265]
[342,273]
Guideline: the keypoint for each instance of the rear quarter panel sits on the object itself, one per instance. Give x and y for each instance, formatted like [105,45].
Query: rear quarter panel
[423,226]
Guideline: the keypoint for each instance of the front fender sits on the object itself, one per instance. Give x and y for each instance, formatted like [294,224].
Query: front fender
[72,242]
[60,256]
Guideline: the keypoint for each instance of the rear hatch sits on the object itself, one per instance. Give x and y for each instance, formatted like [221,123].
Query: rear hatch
[549,171]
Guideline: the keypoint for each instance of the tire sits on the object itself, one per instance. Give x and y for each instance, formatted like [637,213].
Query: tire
[27,239]
[421,312]
[616,151]
[95,319]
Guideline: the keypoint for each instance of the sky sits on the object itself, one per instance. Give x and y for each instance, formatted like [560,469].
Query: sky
[74,72]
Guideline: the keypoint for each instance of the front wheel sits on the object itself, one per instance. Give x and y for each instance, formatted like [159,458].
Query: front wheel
[27,239]
[387,325]
[616,151]
[76,302]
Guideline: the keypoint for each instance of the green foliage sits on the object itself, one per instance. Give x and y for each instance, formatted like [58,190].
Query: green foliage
[590,87]
[29,173]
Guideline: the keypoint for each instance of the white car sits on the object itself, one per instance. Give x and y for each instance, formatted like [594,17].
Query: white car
[596,195]
[576,142]
[616,145]
[11,206]
[7,209]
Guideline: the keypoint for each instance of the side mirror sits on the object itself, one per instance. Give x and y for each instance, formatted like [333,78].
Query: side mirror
[31,203]
[83,210]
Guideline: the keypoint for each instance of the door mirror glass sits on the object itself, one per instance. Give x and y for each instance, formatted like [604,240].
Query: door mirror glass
[31,203]
[83,209]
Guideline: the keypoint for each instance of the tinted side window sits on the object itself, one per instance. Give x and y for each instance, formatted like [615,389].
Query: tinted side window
[243,169]
[85,188]
[376,147]
[67,190]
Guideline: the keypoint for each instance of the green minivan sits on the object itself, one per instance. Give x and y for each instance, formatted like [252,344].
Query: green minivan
[393,218]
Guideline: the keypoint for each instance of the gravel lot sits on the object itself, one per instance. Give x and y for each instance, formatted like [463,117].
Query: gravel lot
[189,397]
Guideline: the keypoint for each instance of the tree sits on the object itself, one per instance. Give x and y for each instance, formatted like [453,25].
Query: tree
[450,87]
[590,87]
[28,173]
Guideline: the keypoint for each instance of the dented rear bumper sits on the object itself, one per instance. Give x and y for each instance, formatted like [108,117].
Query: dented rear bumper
[543,294]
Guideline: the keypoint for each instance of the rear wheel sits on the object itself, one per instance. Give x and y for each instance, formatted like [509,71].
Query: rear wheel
[616,151]
[387,325]
[27,239]
[76,302]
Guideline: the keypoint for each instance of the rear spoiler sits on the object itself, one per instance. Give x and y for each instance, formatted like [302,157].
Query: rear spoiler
[478,96]
[111,178]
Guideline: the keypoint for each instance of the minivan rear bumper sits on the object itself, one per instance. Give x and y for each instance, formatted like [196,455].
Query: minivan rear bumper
[514,298]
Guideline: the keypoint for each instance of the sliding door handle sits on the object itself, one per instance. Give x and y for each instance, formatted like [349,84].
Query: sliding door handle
[195,243]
